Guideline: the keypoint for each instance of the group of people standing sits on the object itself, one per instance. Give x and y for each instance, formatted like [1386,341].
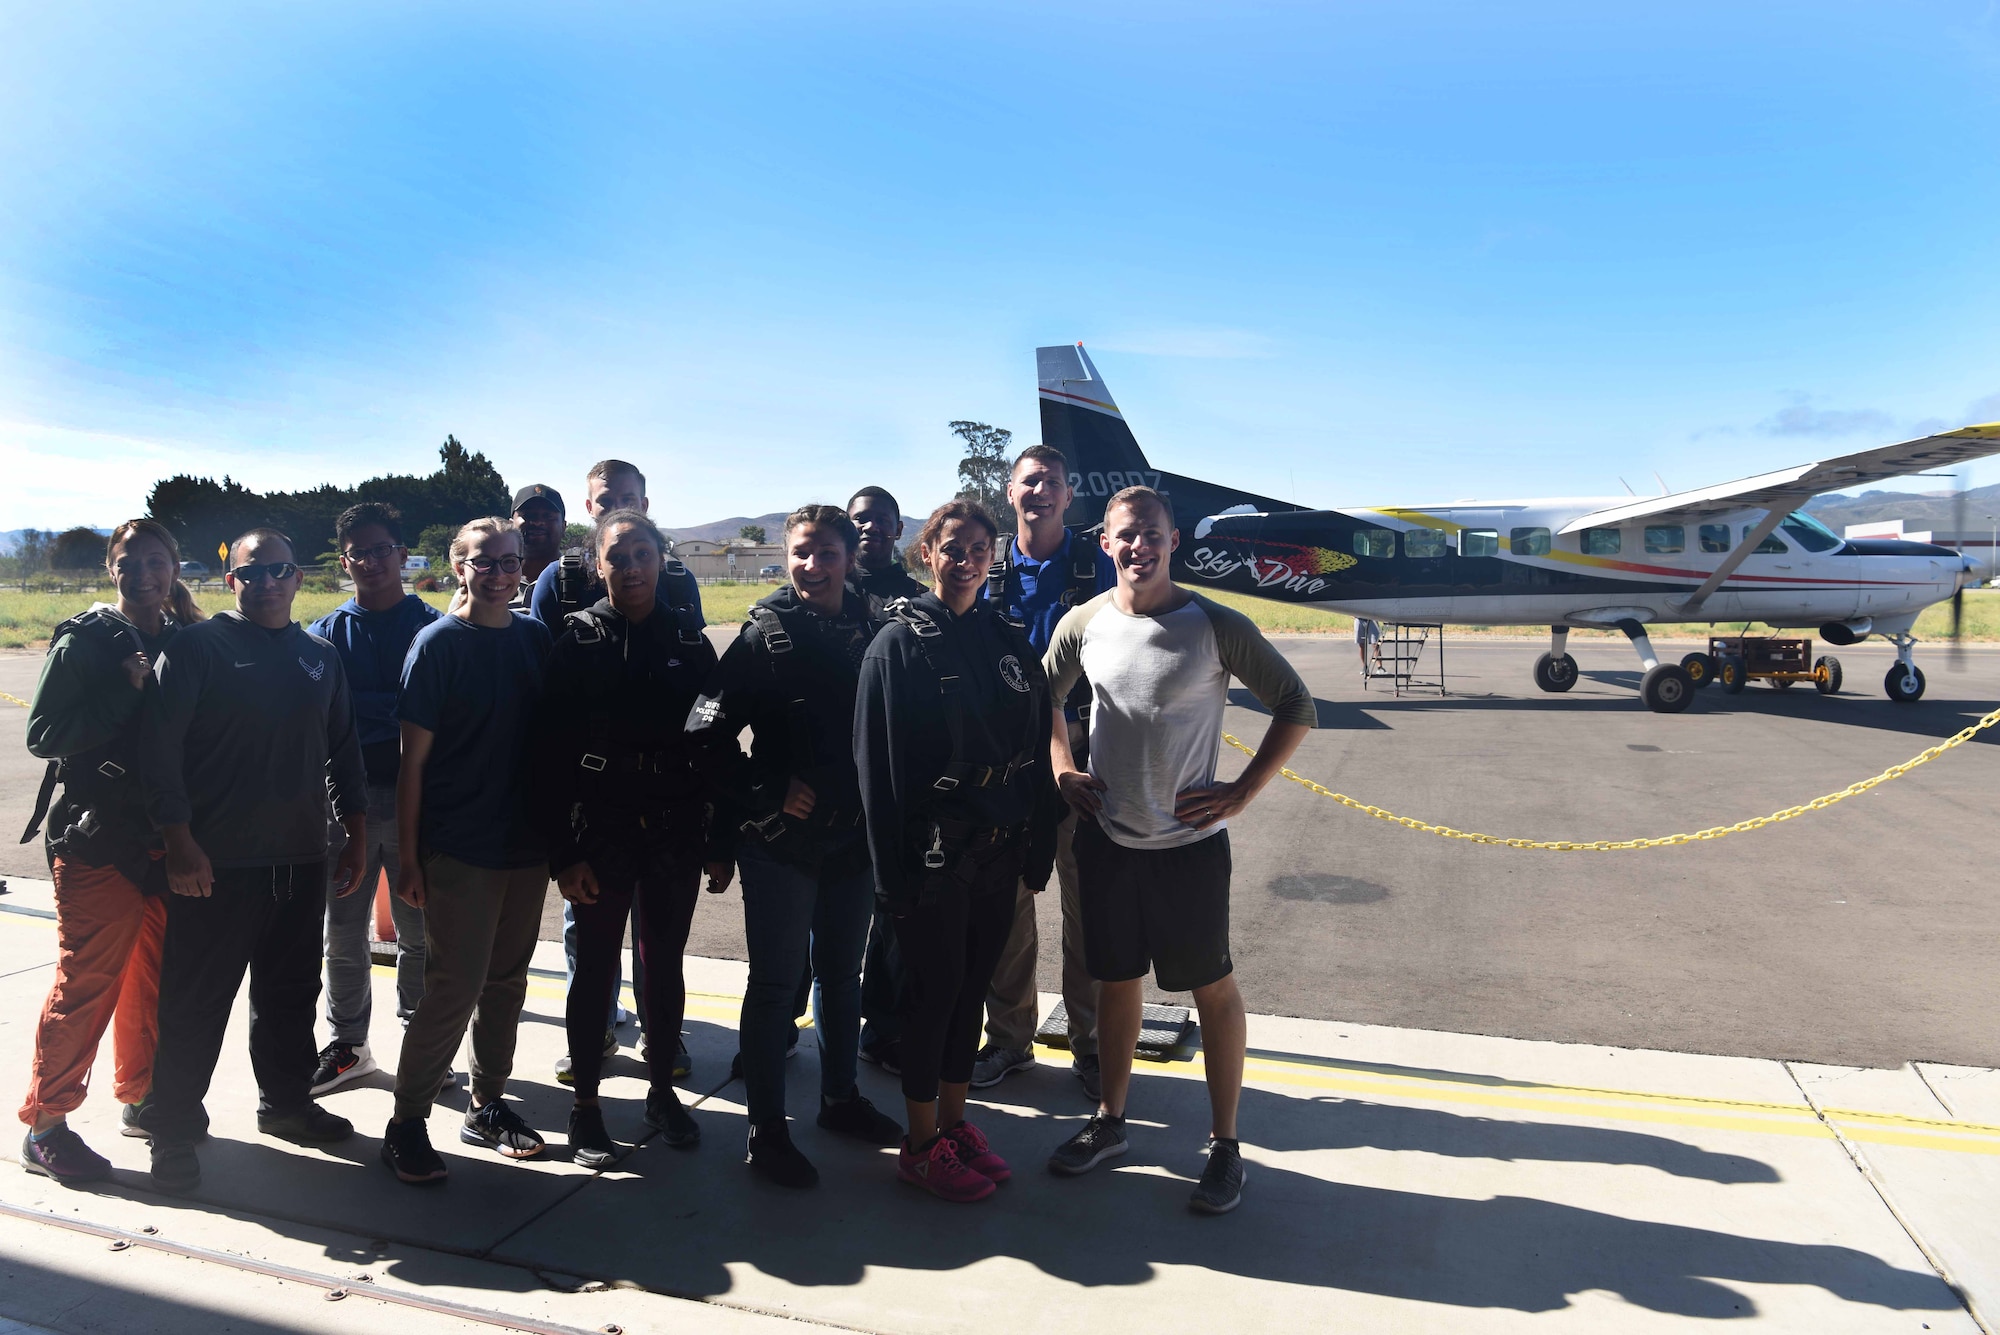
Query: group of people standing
[924,755]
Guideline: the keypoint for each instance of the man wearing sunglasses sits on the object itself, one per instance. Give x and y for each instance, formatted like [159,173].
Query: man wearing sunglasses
[251,730]
[371,632]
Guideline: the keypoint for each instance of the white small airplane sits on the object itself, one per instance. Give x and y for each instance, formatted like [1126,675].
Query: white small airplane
[1740,551]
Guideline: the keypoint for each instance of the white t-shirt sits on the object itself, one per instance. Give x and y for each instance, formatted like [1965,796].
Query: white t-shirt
[1158,685]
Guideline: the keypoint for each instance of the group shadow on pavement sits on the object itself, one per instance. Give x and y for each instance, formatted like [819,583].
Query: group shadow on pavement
[676,1222]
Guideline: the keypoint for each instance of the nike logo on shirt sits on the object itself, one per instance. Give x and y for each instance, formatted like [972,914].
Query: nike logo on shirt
[252,663]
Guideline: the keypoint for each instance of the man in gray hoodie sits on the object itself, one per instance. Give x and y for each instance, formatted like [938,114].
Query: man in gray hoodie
[251,730]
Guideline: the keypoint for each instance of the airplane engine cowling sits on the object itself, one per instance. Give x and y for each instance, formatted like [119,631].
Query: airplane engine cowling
[1846,632]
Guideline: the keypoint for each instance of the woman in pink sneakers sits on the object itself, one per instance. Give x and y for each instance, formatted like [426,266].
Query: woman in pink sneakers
[951,738]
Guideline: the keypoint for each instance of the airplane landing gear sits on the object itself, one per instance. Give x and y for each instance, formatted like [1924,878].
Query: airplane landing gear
[1667,688]
[1905,681]
[1555,671]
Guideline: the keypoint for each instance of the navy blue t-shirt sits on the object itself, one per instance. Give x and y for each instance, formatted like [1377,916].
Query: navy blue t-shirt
[372,647]
[476,688]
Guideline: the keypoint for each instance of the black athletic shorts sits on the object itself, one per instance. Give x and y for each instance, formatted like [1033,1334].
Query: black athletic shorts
[1161,908]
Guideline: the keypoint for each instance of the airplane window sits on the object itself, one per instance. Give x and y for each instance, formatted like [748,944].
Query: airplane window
[1665,539]
[1770,546]
[1423,542]
[1528,541]
[1479,542]
[1809,533]
[1601,541]
[1715,537]
[1374,542]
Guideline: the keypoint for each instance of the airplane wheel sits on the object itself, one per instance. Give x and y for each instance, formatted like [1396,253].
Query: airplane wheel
[1667,689]
[1555,673]
[1732,674]
[1827,675]
[1904,684]
[1700,669]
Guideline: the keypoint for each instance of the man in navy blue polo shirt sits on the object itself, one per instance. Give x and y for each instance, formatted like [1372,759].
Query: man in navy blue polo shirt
[1048,570]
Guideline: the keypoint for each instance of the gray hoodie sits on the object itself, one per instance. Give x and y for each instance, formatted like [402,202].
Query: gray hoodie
[250,732]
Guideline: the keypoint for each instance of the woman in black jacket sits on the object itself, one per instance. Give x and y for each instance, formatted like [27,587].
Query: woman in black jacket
[625,816]
[951,739]
[790,678]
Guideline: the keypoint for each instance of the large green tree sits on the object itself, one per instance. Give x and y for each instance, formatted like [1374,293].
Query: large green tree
[77,549]
[203,513]
[982,473]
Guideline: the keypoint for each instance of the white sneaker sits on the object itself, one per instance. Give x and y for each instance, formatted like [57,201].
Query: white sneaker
[340,1063]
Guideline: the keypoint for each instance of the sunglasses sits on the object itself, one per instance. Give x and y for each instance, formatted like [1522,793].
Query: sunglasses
[275,571]
[486,565]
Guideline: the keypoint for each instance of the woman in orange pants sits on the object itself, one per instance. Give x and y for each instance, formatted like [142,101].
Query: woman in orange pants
[110,919]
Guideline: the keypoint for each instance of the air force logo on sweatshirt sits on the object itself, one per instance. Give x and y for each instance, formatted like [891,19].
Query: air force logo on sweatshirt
[314,670]
[1010,672]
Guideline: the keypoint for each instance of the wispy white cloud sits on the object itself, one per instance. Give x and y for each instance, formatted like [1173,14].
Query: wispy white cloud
[1802,419]
[1189,341]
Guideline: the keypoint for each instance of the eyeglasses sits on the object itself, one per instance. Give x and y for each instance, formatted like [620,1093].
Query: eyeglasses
[486,565]
[275,571]
[380,552]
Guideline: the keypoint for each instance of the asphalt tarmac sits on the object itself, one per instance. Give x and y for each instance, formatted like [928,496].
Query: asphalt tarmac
[1861,935]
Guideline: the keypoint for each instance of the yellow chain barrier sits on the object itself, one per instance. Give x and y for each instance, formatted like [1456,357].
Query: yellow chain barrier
[1664,841]
[1924,757]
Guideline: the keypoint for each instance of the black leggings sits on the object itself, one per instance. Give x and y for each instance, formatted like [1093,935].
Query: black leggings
[666,887]
[950,943]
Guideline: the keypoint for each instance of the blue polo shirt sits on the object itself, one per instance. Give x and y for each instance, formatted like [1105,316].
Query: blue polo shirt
[1035,588]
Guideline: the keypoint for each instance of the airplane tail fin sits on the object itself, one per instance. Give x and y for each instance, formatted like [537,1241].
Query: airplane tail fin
[1080,418]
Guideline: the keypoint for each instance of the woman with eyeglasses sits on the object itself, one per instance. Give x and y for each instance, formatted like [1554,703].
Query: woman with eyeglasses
[624,814]
[103,854]
[951,740]
[472,859]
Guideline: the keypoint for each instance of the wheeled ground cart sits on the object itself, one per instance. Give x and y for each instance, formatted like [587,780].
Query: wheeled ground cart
[1734,661]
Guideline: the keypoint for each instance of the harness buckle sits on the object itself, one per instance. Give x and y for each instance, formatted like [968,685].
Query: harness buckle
[934,855]
[591,762]
[111,769]
[945,783]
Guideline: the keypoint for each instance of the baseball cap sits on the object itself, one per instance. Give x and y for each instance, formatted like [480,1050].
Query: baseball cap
[536,491]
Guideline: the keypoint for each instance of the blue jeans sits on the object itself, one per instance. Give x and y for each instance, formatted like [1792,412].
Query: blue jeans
[350,996]
[791,915]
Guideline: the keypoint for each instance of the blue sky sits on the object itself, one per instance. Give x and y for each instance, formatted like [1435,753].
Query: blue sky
[1347,253]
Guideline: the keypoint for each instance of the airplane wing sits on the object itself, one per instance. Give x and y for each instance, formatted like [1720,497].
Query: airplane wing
[1792,487]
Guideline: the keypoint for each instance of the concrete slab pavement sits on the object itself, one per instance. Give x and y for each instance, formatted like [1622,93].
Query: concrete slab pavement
[1399,1180]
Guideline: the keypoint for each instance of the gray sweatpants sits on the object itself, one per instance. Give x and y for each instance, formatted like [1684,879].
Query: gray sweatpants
[480,927]
[1011,1003]
[350,994]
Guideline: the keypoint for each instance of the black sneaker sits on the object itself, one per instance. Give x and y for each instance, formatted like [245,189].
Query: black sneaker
[1102,1137]
[859,1118]
[1090,1075]
[676,1124]
[312,1125]
[1221,1187]
[683,1064]
[406,1148]
[176,1168]
[887,1054]
[773,1154]
[340,1063]
[62,1155]
[589,1143]
[498,1128]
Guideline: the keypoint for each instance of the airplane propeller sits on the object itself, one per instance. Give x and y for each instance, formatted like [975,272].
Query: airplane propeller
[1955,659]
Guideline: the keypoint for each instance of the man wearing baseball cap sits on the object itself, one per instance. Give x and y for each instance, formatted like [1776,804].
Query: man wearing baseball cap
[539,511]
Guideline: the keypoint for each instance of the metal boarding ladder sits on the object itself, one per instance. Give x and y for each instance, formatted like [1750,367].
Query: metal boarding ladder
[1399,657]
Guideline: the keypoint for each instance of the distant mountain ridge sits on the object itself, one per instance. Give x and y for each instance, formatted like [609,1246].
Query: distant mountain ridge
[723,529]
[1933,510]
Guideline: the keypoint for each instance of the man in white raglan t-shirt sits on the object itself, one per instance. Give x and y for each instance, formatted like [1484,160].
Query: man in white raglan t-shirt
[1152,850]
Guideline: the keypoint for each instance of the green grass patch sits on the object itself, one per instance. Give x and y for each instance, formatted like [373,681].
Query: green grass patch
[27,618]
